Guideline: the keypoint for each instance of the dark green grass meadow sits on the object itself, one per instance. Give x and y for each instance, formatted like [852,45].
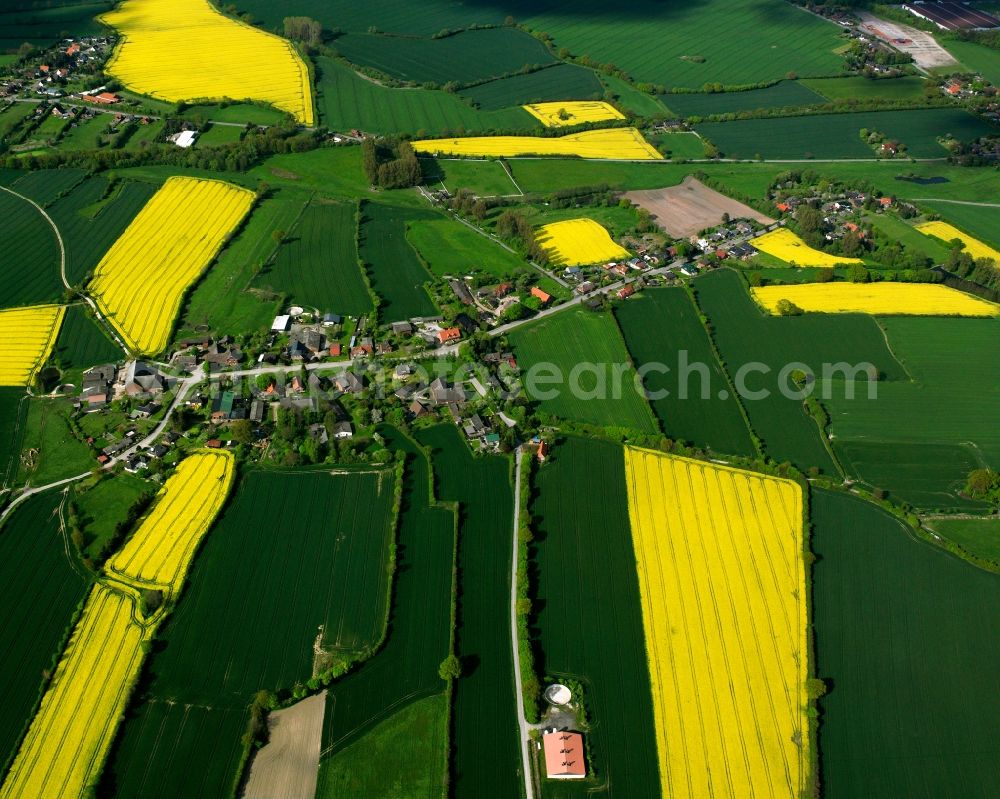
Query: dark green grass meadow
[559,82]
[787,94]
[13,413]
[29,270]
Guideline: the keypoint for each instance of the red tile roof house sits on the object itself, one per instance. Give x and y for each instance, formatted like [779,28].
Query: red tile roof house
[564,755]
[335,350]
[544,296]
[626,291]
[449,334]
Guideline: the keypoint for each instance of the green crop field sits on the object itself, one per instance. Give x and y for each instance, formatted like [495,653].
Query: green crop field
[45,185]
[317,266]
[92,216]
[101,506]
[389,16]
[450,248]
[559,82]
[56,452]
[406,668]
[859,87]
[346,100]
[297,558]
[681,144]
[977,58]
[980,221]
[29,271]
[394,270]
[222,300]
[484,717]
[82,343]
[662,327]
[43,23]
[484,178]
[469,57]
[589,619]
[734,42]
[912,708]
[41,584]
[413,740]
[13,413]
[585,348]
[786,94]
[761,346]
[12,116]
[979,536]
[838,135]
[922,436]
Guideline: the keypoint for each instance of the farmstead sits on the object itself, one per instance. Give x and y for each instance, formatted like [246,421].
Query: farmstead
[140,281]
[878,299]
[578,242]
[187,50]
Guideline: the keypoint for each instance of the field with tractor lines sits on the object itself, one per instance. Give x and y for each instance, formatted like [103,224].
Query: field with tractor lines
[28,335]
[29,272]
[140,281]
[723,585]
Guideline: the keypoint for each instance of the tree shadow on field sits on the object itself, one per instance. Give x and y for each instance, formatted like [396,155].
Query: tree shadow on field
[652,10]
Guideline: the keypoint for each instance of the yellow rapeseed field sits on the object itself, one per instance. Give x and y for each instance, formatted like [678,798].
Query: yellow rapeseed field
[578,242]
[186,50]
[161,550]
[722,582]
[69,737]
[946,232]
[139,283]
[612,143]
[885,299]
[28,335]
[572,112]
[787,246]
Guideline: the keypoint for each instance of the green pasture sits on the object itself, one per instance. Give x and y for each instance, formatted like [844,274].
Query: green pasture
[58,452]
[584,347]
[102,505]
[219,135]
[858,87]
[978,536]
[980,221]
[786,94]
[484,178]
[450,248]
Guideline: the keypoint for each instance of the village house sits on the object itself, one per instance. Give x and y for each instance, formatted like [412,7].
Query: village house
[349,383]
[564,755]
[448,334]
[442,393]
[543,296]
[342,430]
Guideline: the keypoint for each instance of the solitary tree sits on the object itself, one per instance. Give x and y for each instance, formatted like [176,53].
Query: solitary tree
[450,669]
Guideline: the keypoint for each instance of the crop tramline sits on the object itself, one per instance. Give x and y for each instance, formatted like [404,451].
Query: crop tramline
[722,586]
[140,281]
[160,551]
[69,737]
[187,50]
[28,335]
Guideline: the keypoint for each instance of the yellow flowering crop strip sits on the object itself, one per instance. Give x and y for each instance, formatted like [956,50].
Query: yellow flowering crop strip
[28,335]
[186,50]
[578,242]
[722,583]
[141,280]
[572,112]
[878,299]
[69,737]
[161,550]
[946,232]
[786,245]
[626,144]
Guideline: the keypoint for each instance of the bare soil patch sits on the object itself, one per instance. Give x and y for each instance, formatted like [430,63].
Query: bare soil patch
[692,206]
[926,52]
[287,766]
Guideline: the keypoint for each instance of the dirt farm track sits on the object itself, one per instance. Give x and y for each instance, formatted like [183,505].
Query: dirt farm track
[690,207]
